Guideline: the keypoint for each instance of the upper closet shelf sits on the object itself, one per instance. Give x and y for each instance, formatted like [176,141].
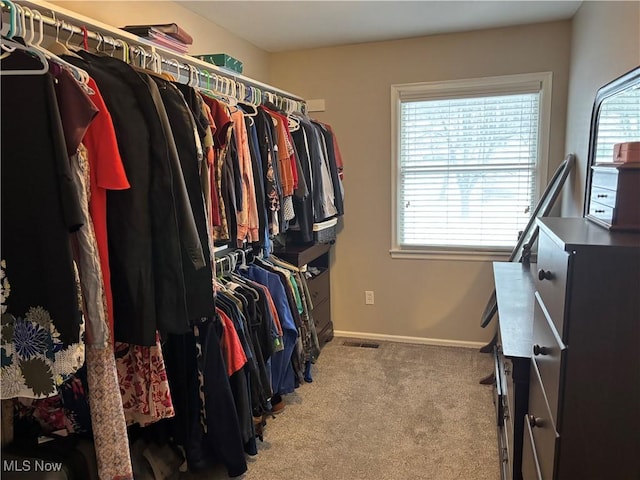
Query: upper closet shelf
[138,50]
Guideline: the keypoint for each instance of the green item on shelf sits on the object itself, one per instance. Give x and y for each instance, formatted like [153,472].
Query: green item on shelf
[222,60]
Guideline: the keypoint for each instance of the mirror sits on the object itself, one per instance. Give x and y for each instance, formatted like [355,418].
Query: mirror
[527,238]
[615,119]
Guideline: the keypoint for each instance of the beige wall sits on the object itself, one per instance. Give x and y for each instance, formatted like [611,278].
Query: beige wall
[431,299]
[207,36]
[606,44]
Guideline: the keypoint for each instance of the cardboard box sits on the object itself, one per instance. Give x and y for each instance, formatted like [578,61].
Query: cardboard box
[222,60]
[627,152]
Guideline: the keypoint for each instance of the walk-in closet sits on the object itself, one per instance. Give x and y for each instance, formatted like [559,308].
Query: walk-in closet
[305,240]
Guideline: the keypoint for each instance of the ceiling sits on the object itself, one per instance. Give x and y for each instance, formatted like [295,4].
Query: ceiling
[277,26]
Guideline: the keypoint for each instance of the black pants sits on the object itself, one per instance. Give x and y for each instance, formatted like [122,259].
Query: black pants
[222,442]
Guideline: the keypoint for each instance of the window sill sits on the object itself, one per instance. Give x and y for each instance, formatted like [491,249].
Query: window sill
[452,255]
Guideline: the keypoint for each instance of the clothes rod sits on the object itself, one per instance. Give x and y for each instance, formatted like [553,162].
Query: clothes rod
[68,21]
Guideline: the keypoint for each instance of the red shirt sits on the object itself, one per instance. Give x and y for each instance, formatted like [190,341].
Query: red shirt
[232,350]
[106,173]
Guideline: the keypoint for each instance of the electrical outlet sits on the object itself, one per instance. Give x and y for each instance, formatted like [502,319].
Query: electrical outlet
[368,297]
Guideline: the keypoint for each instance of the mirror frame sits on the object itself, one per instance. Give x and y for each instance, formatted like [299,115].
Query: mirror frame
[527,238]
[612,88]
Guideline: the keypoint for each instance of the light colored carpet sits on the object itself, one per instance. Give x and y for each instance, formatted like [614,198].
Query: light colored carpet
[397,412]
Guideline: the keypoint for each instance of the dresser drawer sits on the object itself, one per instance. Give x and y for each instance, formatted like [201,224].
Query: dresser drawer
[548,352]
[499,399]
[603,196]
[551,279]
[615,196]
[530,463]
[322,315]
[510,390]
[605,177]
[509,440]
[319,288]
[544,438]
[602,212]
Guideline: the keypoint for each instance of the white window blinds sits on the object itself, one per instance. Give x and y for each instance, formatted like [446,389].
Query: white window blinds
[467,169]
[468,159]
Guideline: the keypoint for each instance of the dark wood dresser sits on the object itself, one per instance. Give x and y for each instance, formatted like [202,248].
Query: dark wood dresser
[582,418]
[316,256]
[514,292]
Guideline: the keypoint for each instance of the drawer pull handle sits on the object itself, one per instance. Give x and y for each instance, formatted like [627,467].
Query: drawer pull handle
[535,421]
[544,274]
[538,350]
[602,195]
[599,211]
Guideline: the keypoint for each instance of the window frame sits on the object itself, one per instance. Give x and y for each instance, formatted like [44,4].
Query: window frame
[518,83]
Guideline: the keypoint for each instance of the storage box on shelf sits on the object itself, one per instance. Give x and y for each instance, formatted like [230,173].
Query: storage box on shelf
[626,152]
[323,232]
[222,60]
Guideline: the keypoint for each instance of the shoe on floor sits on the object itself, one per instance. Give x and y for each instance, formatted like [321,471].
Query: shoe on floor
[277,407]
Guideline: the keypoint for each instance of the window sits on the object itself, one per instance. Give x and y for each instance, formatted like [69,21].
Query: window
[470,158]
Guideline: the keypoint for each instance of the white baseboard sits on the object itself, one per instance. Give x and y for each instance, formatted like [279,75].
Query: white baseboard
[402,339]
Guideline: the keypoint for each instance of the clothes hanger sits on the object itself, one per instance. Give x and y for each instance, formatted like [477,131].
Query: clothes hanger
[169,75]
[248,102]
[207,90]
[210,92]
[81,76]
[57,47]
[243,264]
[194,76]
[222,89]
[289,106]
[111,41]
[149,61]
[125,50]
[8,30]
[135,55]
[9,46]
[230,90]
[224,93]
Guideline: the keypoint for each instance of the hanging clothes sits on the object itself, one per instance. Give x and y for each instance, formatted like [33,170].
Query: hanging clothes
[106,172]
[107,414]
[41,344]
[282,377]
[258,178]
[148,283]
[206,426]
[304,205]
[221,139]
[310,348]
[331,161]
[270,168]
[248,222]
[198,279]
[160,172]
[143,383]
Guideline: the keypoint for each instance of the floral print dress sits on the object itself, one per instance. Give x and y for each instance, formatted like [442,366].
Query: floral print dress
[34,359]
